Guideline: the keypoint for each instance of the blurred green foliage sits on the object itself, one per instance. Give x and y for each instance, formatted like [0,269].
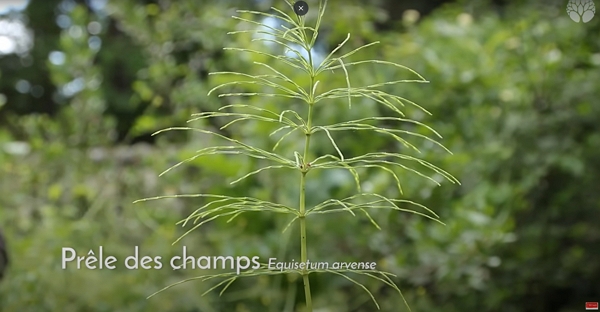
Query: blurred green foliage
[514,93]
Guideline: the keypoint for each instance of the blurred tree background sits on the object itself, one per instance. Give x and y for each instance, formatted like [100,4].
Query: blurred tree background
[514,91]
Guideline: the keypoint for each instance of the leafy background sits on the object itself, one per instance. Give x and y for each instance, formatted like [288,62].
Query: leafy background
[514,89]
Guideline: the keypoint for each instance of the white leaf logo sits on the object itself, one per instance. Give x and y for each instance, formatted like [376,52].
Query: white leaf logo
[581,10]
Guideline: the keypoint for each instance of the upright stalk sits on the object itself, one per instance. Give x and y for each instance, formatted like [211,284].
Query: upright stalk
[304,171]
[303,253]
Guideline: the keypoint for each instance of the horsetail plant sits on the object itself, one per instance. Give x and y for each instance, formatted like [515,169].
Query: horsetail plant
[295,33]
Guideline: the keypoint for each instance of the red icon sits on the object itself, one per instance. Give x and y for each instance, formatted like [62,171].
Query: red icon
[591,305]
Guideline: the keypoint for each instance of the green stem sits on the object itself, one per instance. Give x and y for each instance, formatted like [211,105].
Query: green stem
[303,254]
[305,168]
